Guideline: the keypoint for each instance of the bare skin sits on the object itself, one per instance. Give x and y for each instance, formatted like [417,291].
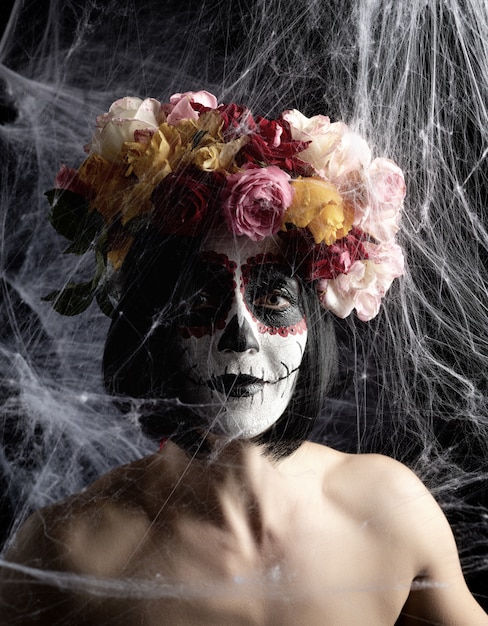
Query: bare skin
[318,538]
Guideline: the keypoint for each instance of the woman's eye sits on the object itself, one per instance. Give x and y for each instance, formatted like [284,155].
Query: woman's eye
[203,302]
[274,300]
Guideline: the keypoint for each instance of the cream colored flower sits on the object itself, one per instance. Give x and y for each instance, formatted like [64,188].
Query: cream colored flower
[120,124]
[323,138]
[351,154]
[334,151]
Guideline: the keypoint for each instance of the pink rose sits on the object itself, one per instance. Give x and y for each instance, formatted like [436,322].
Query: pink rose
[365,284]
[386,191]
[255,200]
[180,107]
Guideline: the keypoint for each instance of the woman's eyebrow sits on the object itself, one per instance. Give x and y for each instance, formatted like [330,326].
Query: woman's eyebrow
[210,271]
[272,270]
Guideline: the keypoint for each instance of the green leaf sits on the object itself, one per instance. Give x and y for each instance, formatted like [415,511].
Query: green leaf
[71,217]
[197,137]
[103,301]
[101,266]
[73,299]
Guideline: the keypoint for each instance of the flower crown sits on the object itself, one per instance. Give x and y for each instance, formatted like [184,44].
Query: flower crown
[178,165]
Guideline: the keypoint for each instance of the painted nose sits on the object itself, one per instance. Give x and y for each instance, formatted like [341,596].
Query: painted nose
[238,337]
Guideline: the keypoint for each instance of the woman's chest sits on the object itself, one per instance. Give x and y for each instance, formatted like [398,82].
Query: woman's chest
[312,572]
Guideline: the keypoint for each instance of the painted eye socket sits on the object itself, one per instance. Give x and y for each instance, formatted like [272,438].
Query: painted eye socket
[274,300]
[210,292]
[203,301]
[274,297]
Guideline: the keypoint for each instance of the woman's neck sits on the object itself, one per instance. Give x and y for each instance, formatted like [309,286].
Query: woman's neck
[235,479]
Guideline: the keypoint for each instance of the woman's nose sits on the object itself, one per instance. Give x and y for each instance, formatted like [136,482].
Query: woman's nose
[238,337]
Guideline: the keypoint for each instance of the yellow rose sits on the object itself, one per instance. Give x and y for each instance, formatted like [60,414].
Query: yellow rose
[136,201]
[107,181]
[217,155]
[161,154]
[318,206]
[150,162]
[211,122]
[207,158]
[118,248]
[204,131]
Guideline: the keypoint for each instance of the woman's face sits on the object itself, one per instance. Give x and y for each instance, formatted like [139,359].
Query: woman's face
[242,337]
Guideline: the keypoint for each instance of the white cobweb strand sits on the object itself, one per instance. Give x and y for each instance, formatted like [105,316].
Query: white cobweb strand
[412,77]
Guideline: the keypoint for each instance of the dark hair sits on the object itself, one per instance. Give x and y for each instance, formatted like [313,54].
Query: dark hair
[138,361]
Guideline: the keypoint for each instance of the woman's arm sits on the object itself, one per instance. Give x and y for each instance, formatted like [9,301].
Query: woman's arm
[439,594]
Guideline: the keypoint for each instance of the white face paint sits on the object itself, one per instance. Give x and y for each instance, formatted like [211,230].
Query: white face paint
[244,336]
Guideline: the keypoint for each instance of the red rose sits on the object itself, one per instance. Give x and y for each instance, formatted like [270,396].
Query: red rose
[67,178]
[272,144]
[320,261]
[236,116]
[338,258]
[182,201]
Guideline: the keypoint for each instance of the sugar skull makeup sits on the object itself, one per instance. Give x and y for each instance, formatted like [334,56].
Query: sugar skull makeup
[242,337]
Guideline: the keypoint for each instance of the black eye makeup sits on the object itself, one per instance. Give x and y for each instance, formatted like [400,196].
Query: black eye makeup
[273,296]
[271,293]
[210,297]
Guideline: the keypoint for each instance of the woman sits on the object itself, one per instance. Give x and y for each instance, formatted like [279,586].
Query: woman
[226,237]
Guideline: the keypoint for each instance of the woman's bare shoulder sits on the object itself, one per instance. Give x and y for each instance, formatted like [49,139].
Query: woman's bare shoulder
[68,534]
[368,482]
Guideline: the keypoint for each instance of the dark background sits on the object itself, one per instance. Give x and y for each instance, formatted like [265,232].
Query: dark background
[468,454]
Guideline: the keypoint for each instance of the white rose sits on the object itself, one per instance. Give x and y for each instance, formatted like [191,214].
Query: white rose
[120,123]
[321,135]
[350,155]
[334,150]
